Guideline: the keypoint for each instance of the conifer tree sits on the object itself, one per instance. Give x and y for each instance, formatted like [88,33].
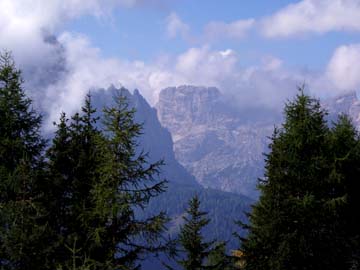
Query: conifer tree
[129,182]
[99,183]
[199,254]
[289,226]
[218,259]
[344,190]
[75,160]
[22,215]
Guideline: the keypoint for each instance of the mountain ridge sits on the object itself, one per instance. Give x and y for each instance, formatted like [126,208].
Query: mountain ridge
[211,141]
[217,145]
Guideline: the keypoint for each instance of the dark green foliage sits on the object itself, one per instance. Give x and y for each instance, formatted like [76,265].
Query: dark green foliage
[222,207]
[99,181]
[77,208]
[190,237]
[299,221]
[22,216]
[196,252]
[74,162]
[137,183]
[345,187]
[218,259]
[80,206]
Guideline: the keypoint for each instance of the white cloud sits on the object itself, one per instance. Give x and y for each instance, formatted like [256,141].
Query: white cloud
[175,26]
[266,85]
[271,63]
[57,71]
[313,16]
[24,23]
[86,69]
[204,66]
[233,30]
[213,31]
[343,69]
[303,17]
[66,67]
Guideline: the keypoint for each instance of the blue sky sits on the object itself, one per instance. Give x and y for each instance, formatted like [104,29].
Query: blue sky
[140,33]
[256,52]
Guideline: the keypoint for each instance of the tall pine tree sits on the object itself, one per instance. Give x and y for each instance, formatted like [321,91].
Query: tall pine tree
[22,215]
[196,253]
[100,182]
[344,191]
[128,184]
[292,225]
[74,162]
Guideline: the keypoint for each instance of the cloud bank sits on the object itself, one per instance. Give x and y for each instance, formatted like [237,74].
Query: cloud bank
[213,31]
[60,66]
[343,69]
[175,26]
[313,16]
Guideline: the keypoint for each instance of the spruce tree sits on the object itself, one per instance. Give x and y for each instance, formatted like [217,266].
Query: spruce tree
[199,254]
[289,226]
[100,182]
[75,161]
[129,182]
[344,190]
[60,167]
[218,258]
[22,215]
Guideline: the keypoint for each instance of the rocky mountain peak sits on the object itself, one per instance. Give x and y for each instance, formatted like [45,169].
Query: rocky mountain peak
[205,94]
[156,140]
[193,105]
[211,140]
[346,103]
[215,144]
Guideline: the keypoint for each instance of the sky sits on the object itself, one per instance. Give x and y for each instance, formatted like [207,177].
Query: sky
[256,52]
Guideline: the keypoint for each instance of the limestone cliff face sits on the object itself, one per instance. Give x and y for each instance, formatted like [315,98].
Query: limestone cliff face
[223,207]
[211,140]
[178,108]
[346,103]
[217,144]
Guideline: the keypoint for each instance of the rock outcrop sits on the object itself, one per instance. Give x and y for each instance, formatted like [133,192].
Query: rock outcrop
[212,140]
[346,103]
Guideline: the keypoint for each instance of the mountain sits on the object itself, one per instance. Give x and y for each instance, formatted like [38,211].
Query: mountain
[156,140]
[346,103]
[212,140]
[223,146]
[223,207]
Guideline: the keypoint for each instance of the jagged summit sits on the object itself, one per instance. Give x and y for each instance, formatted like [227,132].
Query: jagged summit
[345,100]
[216,145]
[209,138]
[192,99]
[345,103]
[192,89]
[184,107]
[351,95]
[156,139]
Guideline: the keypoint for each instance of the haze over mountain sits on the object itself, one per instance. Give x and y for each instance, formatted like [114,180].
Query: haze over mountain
[347,103]
[255,55]
[222,146]
[218,146]
[212,85]
[157,142]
